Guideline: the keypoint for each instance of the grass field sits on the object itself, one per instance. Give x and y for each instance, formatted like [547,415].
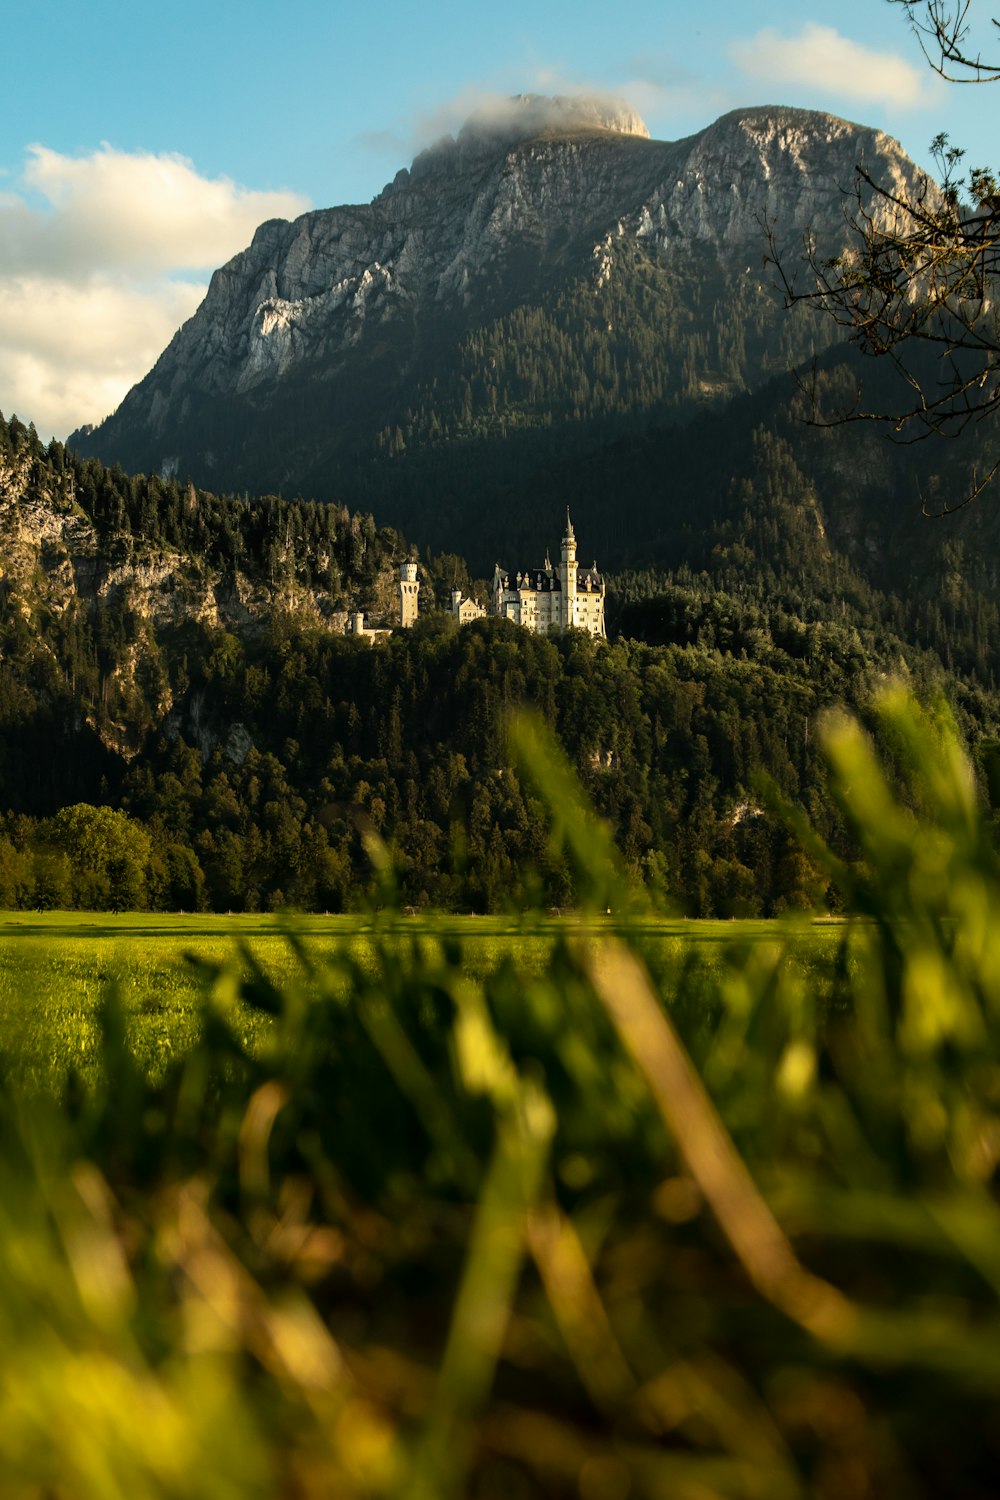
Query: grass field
[443,1208]
[55,966]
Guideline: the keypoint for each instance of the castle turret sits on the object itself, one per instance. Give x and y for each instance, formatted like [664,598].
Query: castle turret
[409,588]
[567,573]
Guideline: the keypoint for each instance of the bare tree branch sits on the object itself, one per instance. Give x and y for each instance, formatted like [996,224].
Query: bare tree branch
[921,268]
[942,28]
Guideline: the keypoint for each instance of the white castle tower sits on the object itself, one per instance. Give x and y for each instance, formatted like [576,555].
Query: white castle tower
[568,573]
[409,588]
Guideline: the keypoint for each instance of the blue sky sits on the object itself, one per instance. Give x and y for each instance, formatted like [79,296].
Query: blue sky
[141,144]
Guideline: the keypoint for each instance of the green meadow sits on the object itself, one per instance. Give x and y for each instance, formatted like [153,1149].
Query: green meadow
[55,967]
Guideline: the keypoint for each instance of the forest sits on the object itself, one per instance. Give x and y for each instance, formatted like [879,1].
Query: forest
[182,764]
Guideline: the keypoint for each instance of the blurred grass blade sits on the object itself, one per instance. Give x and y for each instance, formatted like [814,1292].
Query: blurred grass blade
[711,1157]
[576,1303]
[497,1246]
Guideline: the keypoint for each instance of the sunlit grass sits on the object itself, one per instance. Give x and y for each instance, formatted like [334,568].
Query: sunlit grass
[56,966]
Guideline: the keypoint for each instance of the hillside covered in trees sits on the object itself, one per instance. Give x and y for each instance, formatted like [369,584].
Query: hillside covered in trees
[184,724]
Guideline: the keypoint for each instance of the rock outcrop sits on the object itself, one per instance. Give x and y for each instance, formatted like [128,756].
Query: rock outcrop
[52,558]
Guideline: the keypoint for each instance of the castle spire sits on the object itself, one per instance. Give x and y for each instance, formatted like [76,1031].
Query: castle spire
[567,577]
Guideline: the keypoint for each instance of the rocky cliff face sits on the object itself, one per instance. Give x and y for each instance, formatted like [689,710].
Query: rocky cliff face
[312,341]
[61,581]
[52,559]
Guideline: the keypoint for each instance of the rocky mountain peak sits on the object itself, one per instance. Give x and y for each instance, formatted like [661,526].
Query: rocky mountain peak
[503,123]
[779,130]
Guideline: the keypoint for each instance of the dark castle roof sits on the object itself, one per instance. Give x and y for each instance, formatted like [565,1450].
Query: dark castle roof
[546,580]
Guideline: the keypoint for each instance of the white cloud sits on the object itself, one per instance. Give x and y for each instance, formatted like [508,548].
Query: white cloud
[448,118]
[665,95]
[496,110]
[820,58]
[68,354]
[98,256]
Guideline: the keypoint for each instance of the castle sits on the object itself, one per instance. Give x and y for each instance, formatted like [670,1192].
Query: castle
[543,599]
[552,598]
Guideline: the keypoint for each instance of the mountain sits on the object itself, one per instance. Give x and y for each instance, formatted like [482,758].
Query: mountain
[550,308]
[549,283]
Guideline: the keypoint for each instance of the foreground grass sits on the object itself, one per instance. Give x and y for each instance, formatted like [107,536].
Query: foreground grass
[484,1211]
